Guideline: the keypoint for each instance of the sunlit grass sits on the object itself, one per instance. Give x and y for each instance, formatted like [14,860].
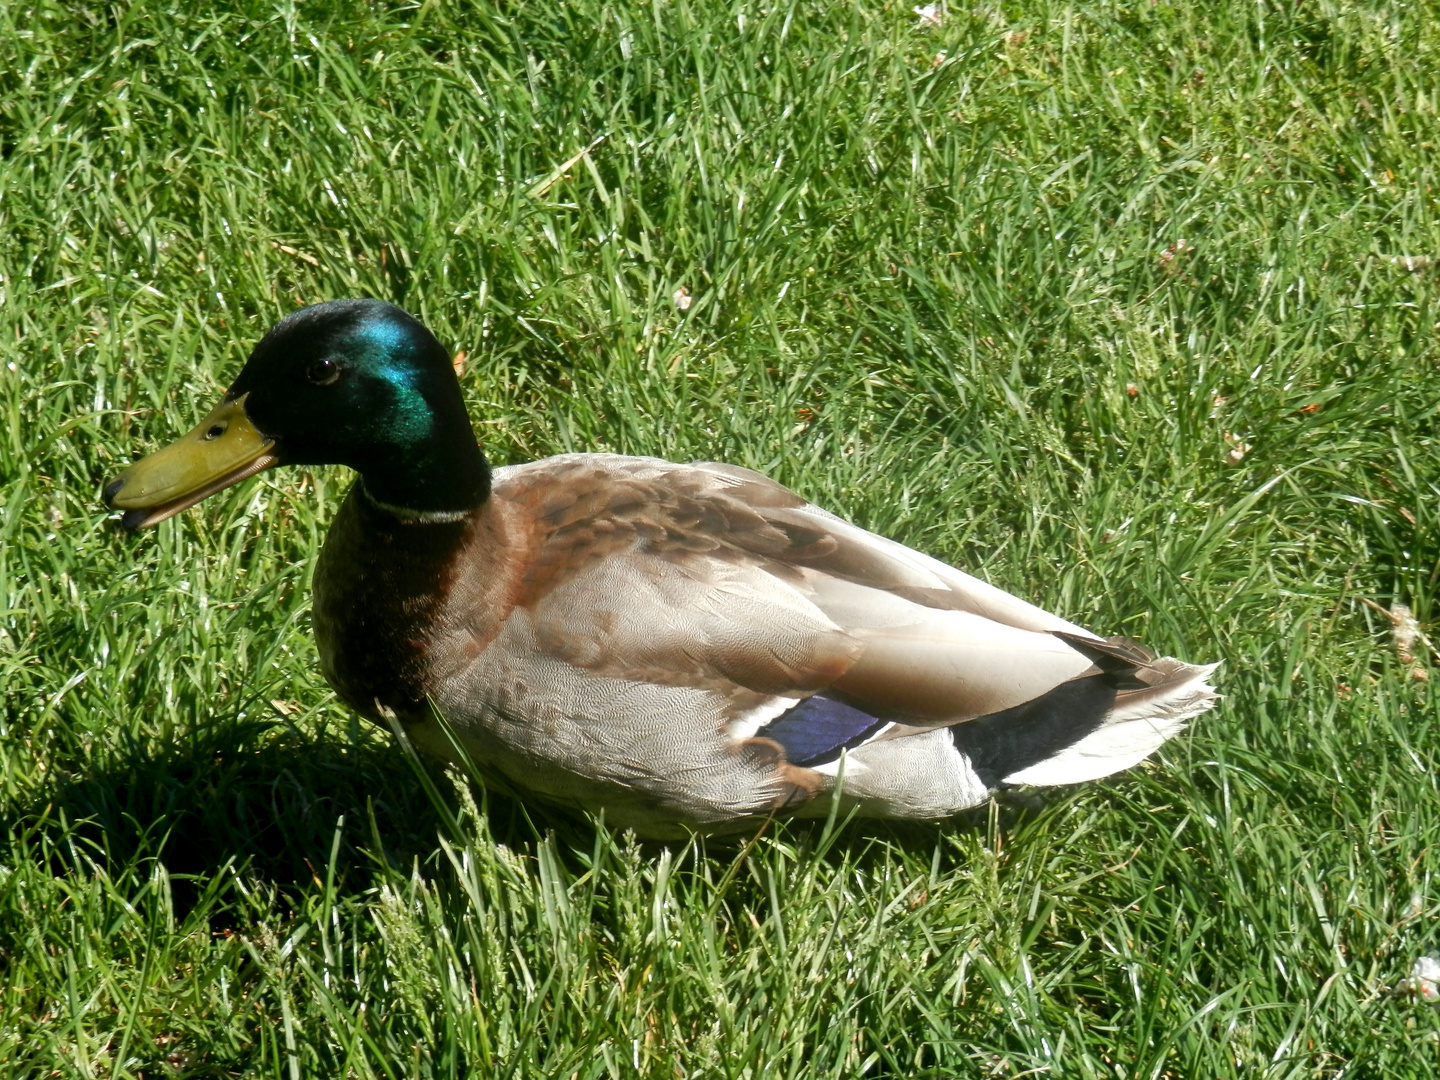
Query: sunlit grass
[1100,302]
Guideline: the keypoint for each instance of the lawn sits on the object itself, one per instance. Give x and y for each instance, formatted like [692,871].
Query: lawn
[1130,308]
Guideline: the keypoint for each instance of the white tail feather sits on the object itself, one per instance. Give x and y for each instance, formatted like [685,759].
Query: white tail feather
[1130,734]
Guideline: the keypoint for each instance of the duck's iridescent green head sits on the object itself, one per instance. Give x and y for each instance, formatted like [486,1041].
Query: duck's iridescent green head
[350,382]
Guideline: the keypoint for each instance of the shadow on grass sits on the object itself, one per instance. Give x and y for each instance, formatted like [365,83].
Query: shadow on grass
[262,798]
[262,801]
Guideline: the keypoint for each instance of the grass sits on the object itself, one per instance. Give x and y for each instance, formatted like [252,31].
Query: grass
[1097,300]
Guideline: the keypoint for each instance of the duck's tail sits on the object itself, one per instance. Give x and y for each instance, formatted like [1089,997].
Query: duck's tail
[1074,733]
[1092,726]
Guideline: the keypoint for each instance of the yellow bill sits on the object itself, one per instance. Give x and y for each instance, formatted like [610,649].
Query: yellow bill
[223,449]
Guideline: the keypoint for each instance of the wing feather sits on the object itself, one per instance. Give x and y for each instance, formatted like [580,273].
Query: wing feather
[714,576]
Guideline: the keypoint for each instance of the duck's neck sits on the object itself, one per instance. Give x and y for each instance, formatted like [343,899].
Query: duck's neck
[441,479]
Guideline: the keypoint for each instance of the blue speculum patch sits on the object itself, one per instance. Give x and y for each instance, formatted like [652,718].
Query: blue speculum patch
[818,729]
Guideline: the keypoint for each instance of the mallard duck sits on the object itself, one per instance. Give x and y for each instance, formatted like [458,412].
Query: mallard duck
[678,647]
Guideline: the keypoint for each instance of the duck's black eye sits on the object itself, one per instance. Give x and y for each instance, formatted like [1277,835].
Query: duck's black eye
[323,372]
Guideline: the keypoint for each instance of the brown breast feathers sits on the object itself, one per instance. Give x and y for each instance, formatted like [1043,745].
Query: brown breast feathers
[388,594]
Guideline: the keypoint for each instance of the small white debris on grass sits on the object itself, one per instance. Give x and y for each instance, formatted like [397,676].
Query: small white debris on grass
[1408,636]
[1423,980]
[1238,448]
[1407,631]
[1169,258]
[931,15]
[1415,264]
[682,299]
